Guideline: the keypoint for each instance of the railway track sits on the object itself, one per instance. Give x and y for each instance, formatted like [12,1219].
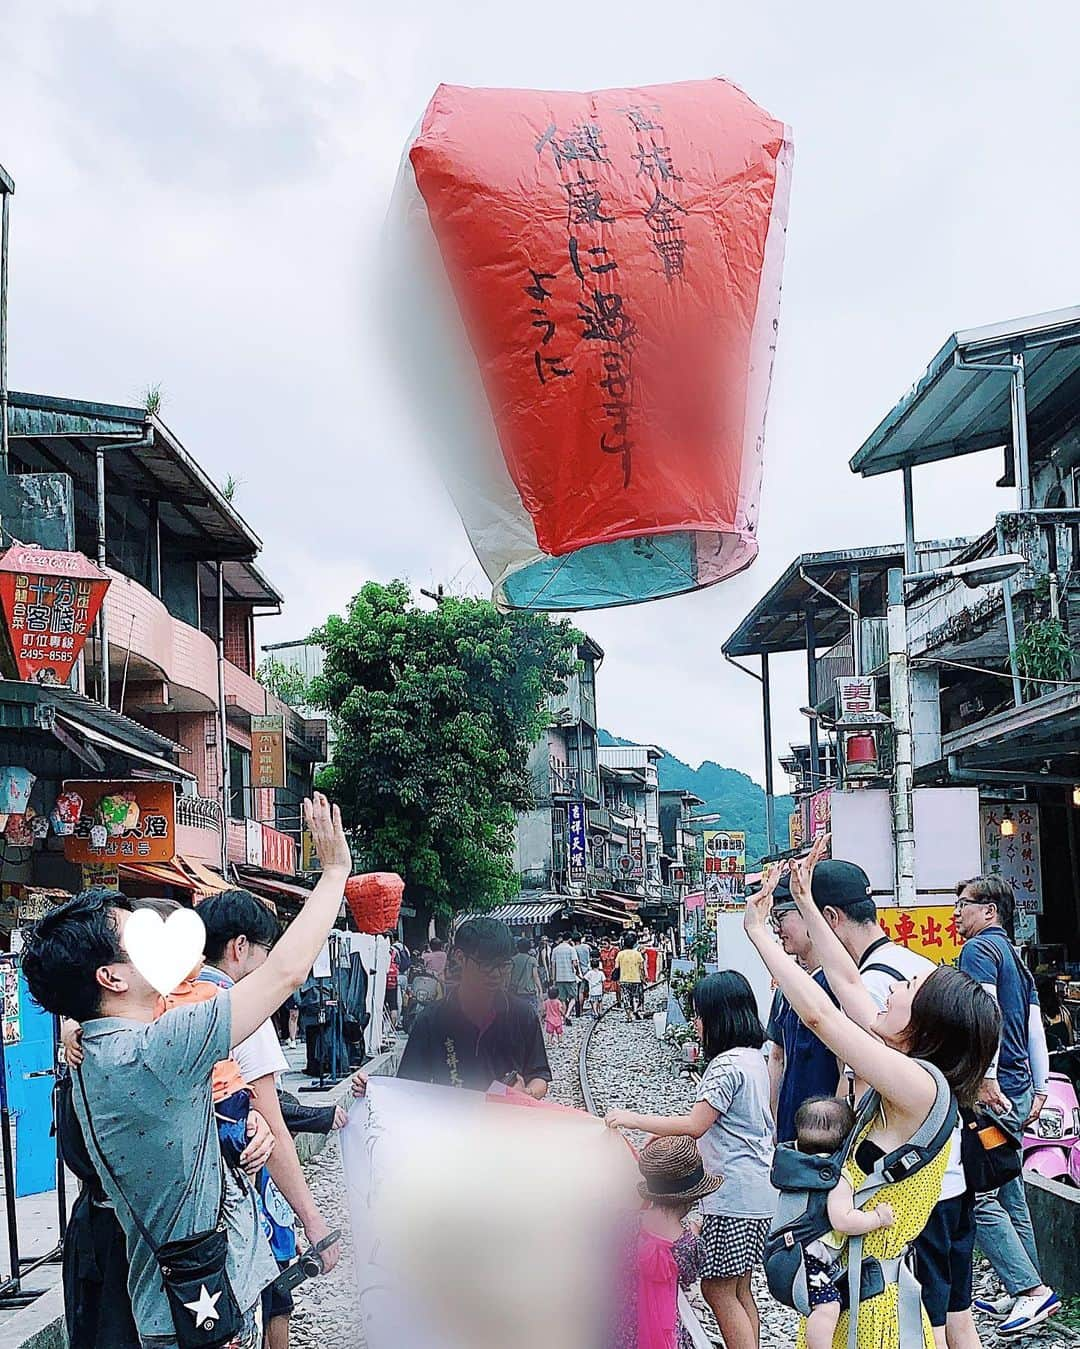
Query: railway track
[584,1085]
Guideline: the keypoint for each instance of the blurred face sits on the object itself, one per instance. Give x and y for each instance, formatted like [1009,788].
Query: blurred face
[973,915]
[794,938]
[249,956]
[484,976]
[893,1021]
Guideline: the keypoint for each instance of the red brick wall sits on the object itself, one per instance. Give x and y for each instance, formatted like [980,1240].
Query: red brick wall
[238,637]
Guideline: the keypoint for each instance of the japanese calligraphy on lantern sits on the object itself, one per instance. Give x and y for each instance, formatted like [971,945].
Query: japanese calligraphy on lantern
[49,602]
[147,835]
[928,929]
[268,751]
[1016,858]
[615,260]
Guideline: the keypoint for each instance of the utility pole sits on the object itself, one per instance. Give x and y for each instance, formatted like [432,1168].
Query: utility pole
[903,778]
[7,189]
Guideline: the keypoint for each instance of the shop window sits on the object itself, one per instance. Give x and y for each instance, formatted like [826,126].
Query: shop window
[241,795]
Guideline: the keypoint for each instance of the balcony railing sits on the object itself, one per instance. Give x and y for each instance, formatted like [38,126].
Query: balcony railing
[198,812]
[582,784]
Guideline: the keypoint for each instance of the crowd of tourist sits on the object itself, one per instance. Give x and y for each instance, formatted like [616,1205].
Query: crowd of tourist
[861,1108]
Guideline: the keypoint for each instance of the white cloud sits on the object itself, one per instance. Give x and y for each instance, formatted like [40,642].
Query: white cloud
[201,190]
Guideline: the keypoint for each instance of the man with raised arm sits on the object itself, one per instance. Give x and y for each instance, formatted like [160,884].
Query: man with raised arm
[144,1097]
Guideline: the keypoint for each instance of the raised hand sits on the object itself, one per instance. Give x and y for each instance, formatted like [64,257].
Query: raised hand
[802,871]
[759,905]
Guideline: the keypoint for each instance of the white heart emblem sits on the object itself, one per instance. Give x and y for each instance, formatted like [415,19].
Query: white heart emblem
[164,953]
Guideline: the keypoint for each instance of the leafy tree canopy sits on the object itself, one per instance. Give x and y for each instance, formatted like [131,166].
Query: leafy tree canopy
[434,713]
[290,685]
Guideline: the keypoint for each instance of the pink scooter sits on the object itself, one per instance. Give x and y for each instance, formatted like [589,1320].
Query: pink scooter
[1052,1142]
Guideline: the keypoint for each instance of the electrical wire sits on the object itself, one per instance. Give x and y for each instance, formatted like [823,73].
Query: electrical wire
[1000,674]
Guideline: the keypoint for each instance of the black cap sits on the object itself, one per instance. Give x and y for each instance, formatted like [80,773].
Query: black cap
[783,902]
[839,885]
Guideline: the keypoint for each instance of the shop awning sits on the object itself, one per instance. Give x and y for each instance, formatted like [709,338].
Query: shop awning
[266,885]
[521,915]
[162,766]
[187,873]
[954,410]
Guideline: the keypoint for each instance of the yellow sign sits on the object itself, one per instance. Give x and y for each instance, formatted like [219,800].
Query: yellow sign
[928,929]
[268,751]
[309,857]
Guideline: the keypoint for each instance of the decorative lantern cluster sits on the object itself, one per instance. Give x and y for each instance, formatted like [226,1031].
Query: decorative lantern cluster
[20,824]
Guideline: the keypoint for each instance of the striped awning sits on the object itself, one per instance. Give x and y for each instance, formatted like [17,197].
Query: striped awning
[525,915]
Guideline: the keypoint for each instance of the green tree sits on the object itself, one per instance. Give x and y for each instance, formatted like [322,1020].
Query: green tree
[290,685]
[434,713]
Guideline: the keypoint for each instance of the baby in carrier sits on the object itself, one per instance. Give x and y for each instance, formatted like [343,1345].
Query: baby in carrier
[821,1126]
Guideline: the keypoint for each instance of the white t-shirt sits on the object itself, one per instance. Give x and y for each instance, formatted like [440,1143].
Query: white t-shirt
[879,984]
[596,983]
[260,1054]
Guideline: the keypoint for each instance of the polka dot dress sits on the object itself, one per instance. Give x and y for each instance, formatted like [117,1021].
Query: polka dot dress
[912,1200]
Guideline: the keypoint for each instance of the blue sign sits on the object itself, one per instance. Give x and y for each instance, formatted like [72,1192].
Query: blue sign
[577,839]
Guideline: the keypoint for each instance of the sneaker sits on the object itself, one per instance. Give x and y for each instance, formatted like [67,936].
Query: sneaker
[994,1306]
[1029,1311]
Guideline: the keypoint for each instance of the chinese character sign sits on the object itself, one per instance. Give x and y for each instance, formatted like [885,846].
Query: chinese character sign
[930,930]
[268,751]
[49,602]
[278,851]
[636,848]
[1017,857]
[612,263]
[856,693]
[146,834]
[577,840]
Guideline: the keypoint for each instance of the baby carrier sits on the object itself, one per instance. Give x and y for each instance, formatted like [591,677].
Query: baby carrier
[804,1182]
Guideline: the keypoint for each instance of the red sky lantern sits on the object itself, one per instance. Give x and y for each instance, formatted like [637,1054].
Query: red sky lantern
[612,262]
[49,602]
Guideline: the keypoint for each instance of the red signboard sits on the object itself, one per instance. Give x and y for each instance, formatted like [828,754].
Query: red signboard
[49,602]
[278,851]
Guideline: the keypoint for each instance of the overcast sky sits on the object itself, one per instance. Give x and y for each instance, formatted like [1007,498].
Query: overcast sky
[200,191]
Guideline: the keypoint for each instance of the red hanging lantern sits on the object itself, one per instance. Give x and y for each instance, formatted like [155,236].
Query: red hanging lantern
[374,900]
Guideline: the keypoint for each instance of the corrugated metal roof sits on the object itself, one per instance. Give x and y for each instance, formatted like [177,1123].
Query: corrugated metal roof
[777,622]
[50,433]
[951,411]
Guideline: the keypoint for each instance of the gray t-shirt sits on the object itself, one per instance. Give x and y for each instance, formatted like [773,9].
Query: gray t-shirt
[523,974]
[739,1146]
[150,1098]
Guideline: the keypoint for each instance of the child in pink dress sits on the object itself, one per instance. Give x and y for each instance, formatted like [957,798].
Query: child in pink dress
[670,1253]
[554,1015]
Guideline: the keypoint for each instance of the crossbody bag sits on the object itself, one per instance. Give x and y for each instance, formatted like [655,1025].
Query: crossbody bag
[203,1306]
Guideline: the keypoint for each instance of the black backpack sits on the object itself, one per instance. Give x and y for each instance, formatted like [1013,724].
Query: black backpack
[804,1183]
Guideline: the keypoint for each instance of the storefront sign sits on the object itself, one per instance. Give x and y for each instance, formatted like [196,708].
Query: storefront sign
[9,1008]
[856,693]
[636,847]
[136,817]
[1016,858]
[278,851]
[928,929]
[820,814]
[268,751]
[253,843]
[795,828]
[309,857]
[49,602]
[100,876]
[577,840]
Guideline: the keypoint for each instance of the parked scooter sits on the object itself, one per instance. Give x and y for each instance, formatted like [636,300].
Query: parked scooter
[1052,1141]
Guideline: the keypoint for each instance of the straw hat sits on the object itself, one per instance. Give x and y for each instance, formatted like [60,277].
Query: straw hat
[673,1171]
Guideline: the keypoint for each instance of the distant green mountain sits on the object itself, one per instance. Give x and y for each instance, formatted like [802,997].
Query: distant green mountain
[734,796]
